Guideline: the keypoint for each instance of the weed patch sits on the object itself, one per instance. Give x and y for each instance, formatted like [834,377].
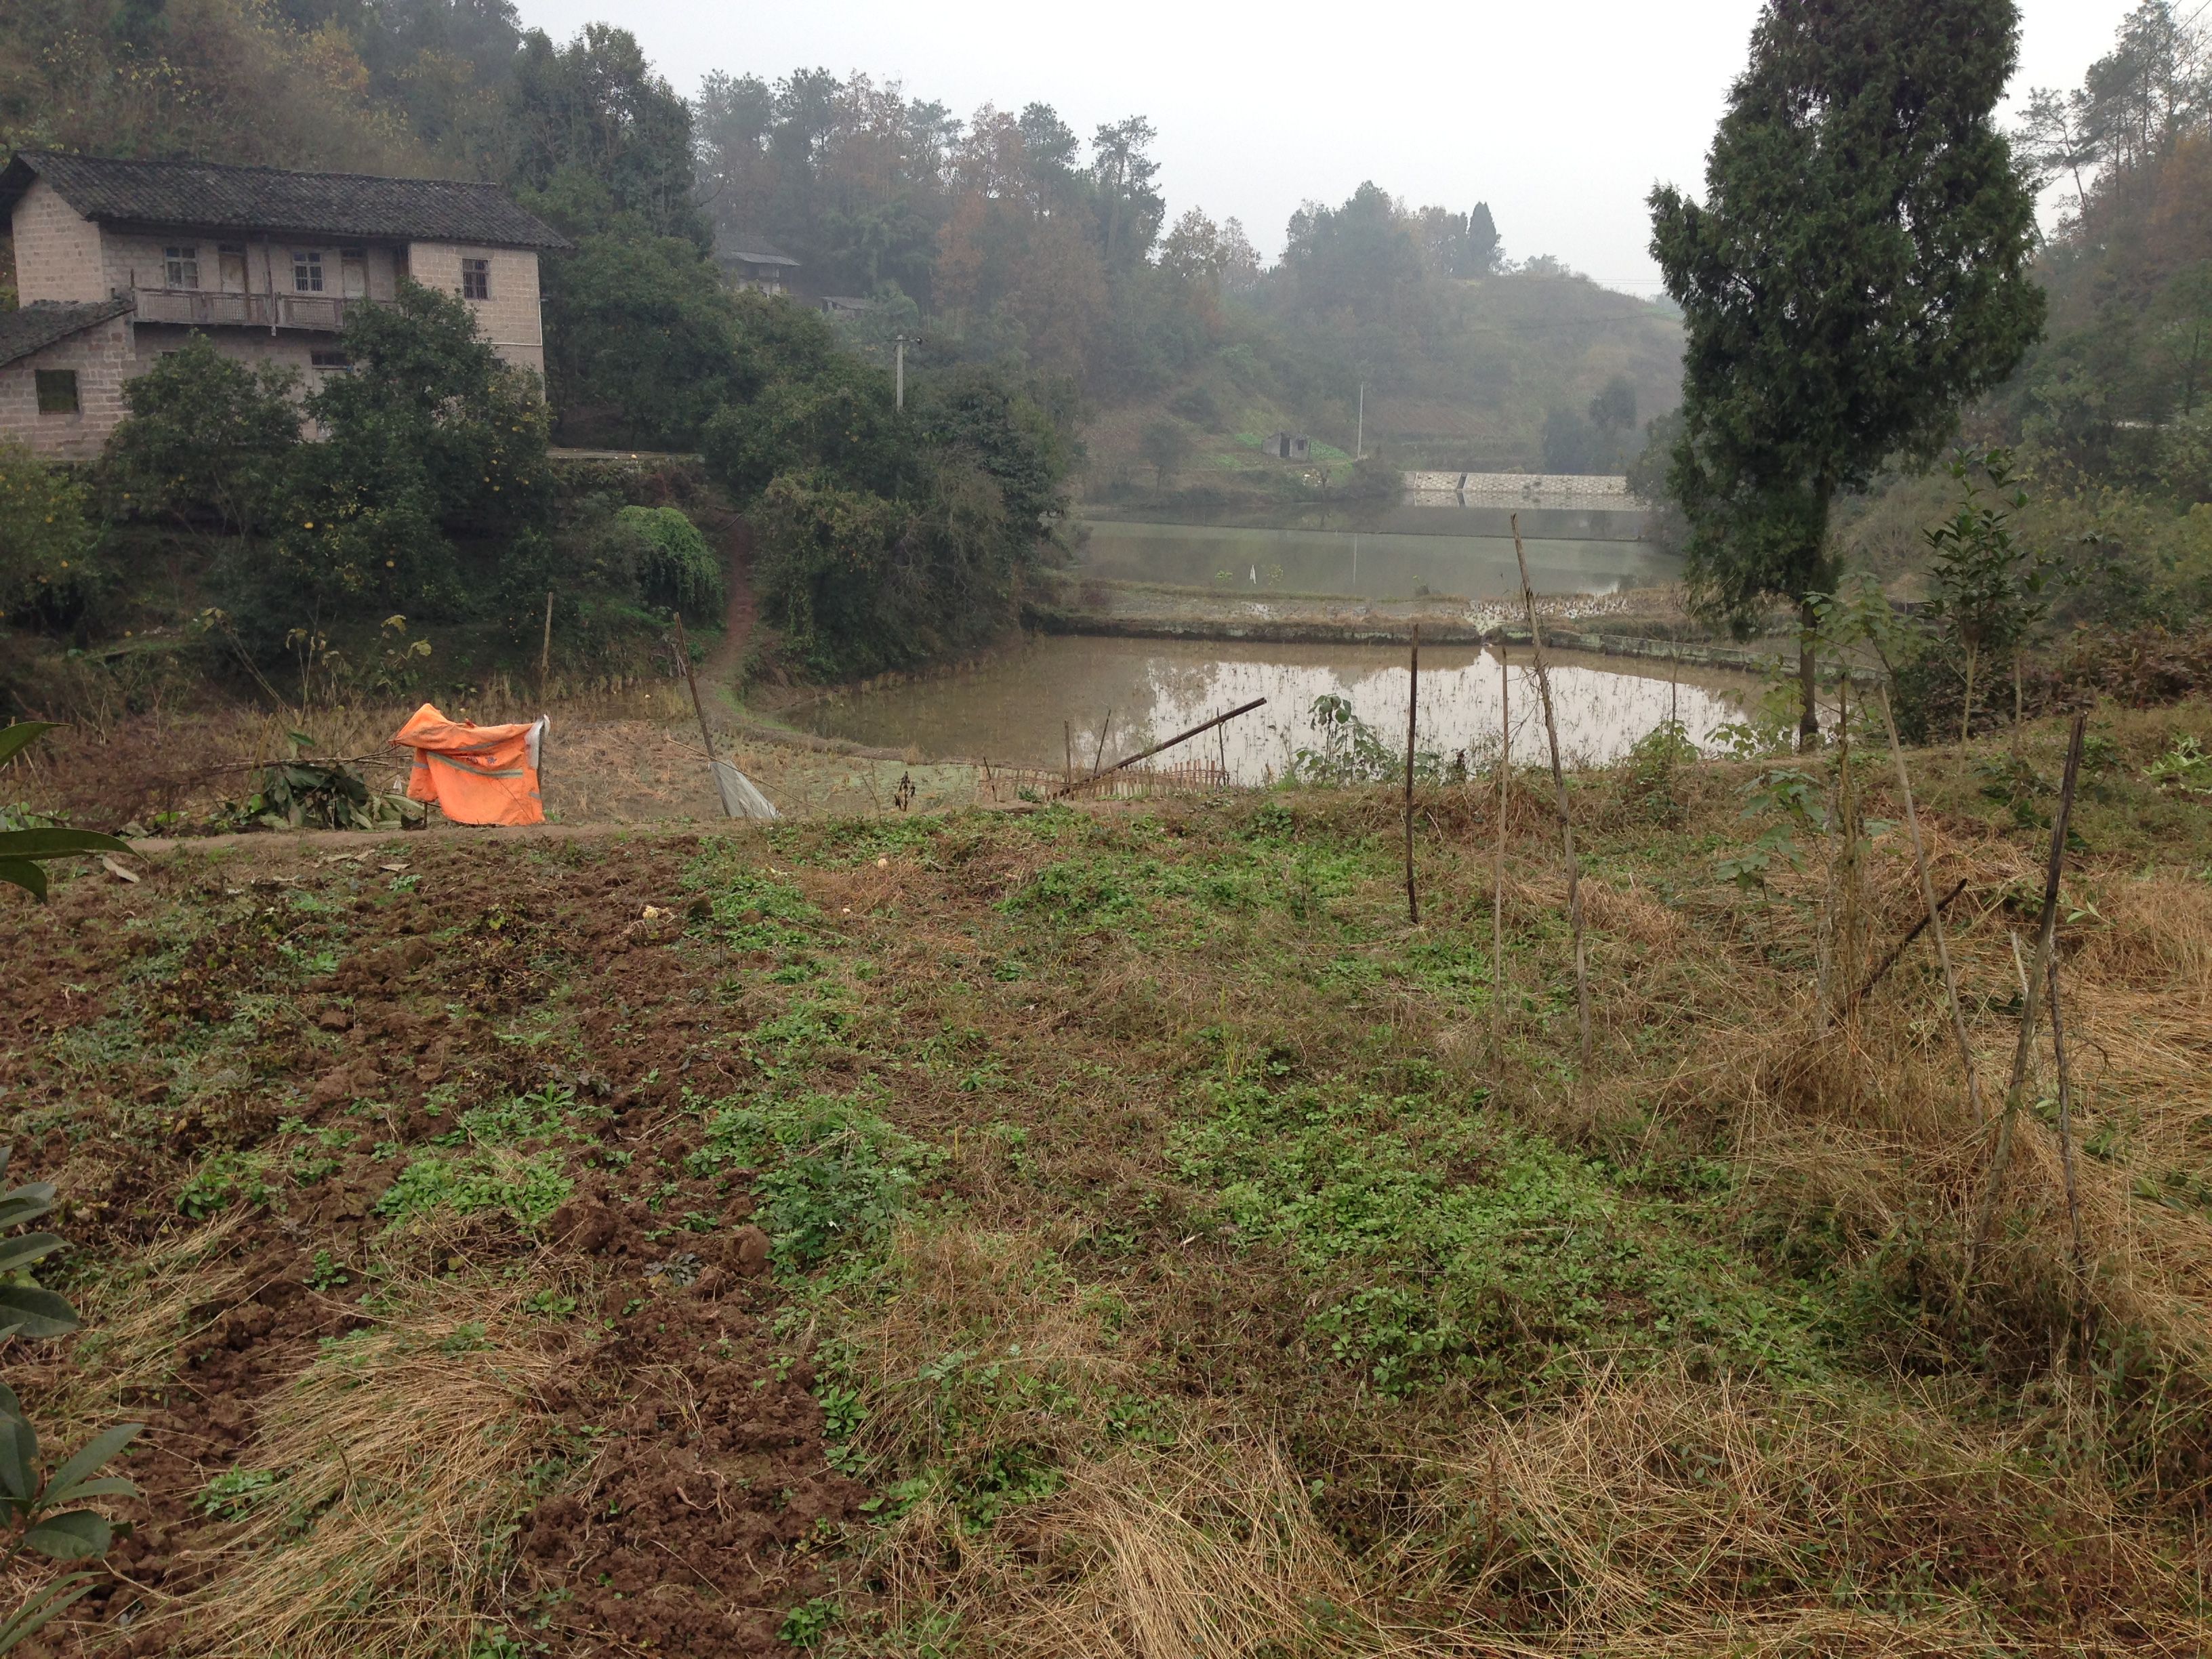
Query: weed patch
[1447,1242]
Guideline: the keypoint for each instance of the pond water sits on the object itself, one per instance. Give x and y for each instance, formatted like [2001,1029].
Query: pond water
[1012,709]
[1374,565]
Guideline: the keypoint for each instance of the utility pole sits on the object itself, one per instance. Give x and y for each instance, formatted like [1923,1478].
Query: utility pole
[898,373]
[1359,440]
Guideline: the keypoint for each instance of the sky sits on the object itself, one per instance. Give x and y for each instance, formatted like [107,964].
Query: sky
[1560,115]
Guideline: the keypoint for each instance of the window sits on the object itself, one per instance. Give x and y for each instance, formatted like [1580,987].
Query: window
[182,267]
[476,279]
[56,390]
[307,270]
[330,362]
[354,272]
[231,261]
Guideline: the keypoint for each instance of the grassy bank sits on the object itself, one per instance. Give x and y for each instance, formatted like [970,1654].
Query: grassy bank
[1119,1232]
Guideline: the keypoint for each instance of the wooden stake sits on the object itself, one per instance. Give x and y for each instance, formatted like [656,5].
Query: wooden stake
[1068,744]
[1498,863]
[545,650]
[1935,913]
[1413,704]
[1099,757]
[1559,785]
[2047,934]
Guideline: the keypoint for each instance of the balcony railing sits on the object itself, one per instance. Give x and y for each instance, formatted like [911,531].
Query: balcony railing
[325,313]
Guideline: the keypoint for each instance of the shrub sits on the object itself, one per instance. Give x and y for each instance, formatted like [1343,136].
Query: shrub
[674,567]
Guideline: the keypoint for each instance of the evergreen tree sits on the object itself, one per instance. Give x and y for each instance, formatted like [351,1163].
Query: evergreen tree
[1858,268]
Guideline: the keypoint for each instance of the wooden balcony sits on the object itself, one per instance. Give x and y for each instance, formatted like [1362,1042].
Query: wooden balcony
[198,307]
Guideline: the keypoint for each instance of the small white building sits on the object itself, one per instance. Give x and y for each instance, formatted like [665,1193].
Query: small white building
[1284,445]
[117,263]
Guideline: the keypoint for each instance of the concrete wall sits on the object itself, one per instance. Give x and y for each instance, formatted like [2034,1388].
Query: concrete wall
[103,358]
[58,253]
[510,320]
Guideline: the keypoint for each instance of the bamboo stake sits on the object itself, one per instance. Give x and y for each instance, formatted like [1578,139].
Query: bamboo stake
[1412,703]
[705,731]
[2047,934]
[1180,737]
[2065,1113]
[1497,863]
[1898,949]
[1067,743]
[1098,756]
[1559,785]
[545,650]
[1934,911]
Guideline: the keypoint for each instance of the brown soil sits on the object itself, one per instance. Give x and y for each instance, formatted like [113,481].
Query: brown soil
[691,1530]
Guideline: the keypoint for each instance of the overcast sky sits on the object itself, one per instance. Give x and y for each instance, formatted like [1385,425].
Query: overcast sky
[1559,114]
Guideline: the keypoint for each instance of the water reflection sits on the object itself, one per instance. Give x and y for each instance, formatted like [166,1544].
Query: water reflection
[1029,707]
[1376,565]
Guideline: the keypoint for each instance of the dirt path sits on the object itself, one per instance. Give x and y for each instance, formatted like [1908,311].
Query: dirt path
[735,538]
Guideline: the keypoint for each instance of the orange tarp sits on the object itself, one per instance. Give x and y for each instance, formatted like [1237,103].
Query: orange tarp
[475,774]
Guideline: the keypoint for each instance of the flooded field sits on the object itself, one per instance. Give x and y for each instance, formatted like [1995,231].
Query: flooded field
[1028,708]
[1375,565]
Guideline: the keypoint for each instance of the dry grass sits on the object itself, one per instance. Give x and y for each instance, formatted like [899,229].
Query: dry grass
[399,1448]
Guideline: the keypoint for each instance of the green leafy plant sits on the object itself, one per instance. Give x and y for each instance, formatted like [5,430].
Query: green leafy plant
[1795,802]
[2185,766]
[40,1515]
[1648,773]
[320,794]
[1351,751]
[23,850]
[807,1623]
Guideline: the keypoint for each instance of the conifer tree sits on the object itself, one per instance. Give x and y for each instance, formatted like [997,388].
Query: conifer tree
[1857,270]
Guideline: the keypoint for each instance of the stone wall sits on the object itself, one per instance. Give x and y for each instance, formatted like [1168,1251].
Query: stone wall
[58,253]
[103,358]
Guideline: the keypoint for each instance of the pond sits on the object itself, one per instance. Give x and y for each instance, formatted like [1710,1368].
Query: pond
[1373,565]
[1030,707]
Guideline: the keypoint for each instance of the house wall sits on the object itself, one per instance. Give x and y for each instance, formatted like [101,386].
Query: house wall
[510,318]
[57,252]
[290,347]
[103,358]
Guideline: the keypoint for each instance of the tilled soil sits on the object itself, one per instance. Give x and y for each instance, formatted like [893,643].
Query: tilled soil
[247,1001]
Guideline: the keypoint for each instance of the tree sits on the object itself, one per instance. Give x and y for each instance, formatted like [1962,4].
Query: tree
[1571,442]
[1858,270]
[1989,587]
[47,538]
[208,441]
[429,441]
[1484,250]
[596,106]
[1165,447]
[1122,171]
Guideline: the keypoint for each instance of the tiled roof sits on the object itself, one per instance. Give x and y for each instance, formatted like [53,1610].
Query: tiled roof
[751,250]
[35,327]
[203,196]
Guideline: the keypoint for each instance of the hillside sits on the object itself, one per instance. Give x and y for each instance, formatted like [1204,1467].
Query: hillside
[1115,1232]
[1497,374]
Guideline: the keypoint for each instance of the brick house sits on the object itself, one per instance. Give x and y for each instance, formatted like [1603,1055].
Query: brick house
[117,263]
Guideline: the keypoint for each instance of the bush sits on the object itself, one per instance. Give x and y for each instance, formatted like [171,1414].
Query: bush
[674,567]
